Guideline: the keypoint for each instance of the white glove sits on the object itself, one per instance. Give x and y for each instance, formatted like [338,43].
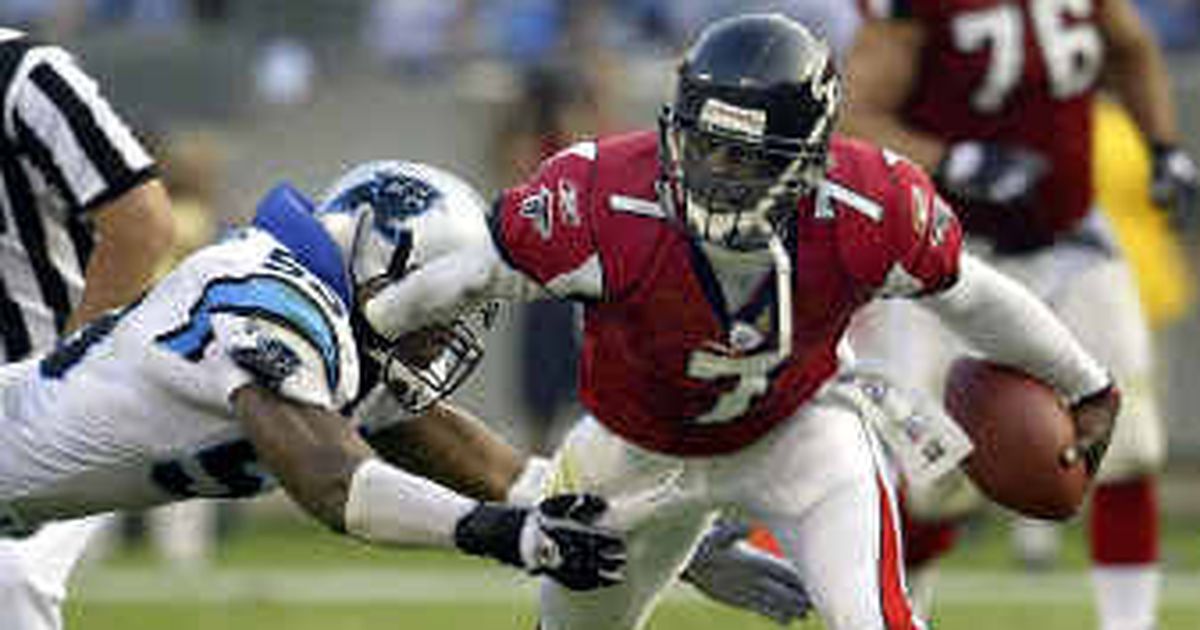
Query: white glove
[990,173]
[729,570]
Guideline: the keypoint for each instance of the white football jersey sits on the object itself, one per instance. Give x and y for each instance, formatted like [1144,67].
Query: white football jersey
[134,410]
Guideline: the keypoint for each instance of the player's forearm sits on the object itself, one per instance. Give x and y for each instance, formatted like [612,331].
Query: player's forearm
[880,72]
[1136,71]
[334,475]
[449,445]
[887,130]
[438,291]
[1143,85]
[133,232]
[1011,326]
[312,452]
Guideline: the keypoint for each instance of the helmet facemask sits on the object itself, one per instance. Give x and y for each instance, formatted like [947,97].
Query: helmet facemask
[736,193]
[424,366]
[379,213]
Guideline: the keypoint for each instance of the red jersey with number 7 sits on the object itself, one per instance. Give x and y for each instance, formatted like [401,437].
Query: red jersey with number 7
[1012,72]
[666,363]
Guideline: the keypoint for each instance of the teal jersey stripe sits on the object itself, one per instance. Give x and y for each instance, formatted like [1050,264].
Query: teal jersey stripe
[269,297]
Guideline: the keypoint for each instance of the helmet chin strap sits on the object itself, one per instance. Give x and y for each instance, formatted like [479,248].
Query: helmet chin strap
[783,293]
[779,255]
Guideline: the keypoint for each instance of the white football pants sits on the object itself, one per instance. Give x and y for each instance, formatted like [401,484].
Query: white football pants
[817,482]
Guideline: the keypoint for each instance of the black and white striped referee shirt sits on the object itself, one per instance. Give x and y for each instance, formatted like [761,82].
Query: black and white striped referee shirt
[63,151]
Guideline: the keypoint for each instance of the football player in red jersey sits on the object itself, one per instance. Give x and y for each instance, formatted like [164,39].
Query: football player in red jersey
[719,260]
[995,97]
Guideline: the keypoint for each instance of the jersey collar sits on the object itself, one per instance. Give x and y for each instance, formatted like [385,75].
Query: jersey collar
[287,214]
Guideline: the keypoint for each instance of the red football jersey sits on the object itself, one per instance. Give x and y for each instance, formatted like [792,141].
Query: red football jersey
[1013,72]
[659,365]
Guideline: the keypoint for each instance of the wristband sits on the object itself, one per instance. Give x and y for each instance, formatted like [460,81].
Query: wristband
[387,505]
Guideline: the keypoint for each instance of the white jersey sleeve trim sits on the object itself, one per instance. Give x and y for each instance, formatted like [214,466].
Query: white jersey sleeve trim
[1012,326]
[285,355]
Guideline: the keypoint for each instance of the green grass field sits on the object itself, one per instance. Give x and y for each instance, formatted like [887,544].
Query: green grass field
[282,574]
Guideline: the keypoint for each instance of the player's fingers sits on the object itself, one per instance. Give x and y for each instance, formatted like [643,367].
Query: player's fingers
[1069,456]
[1073,454]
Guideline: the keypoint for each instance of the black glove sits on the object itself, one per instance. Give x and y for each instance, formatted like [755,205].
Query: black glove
[1095,417]
[989,173]
[1175,184]
[729,570]
[557,538]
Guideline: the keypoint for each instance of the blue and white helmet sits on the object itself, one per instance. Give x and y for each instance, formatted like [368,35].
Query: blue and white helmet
[391,218]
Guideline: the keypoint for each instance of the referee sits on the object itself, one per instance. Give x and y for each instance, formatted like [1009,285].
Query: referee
[83,220]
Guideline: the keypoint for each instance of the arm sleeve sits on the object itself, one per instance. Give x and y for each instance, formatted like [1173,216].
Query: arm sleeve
[277,356]
[56,115]
[268,330]
[545,227]
[907,243]
[1010,325]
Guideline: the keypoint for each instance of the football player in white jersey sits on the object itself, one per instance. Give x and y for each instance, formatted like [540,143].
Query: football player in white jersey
[228,376]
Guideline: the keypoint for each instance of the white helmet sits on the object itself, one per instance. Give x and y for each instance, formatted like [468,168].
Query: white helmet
[390,218]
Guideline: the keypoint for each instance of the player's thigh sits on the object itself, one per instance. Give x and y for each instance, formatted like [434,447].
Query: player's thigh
[657,550]
[795,466]
[1103,309]
[636,483]
[841,527]
[652,499]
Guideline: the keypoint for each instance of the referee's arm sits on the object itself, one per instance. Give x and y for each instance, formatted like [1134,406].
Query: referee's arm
[133,231]
[104,171]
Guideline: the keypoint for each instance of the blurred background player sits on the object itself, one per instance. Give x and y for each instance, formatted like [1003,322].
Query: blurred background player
[996,99]
[84,221]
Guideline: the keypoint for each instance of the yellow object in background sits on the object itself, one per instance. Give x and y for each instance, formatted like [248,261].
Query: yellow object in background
[1121,164]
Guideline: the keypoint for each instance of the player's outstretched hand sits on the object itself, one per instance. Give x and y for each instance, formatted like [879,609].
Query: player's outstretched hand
[1175,185]
[559,538]
[1095,417]
[730,570]
[990,173]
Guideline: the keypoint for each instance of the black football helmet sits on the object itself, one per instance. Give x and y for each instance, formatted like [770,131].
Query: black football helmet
[748,133]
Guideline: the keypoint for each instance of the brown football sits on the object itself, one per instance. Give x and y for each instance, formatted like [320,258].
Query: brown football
[1019,426]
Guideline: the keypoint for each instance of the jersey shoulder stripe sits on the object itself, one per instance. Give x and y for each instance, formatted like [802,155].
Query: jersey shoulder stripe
[270,297]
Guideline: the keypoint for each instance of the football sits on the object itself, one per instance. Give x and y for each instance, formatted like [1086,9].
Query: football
[1019,427]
